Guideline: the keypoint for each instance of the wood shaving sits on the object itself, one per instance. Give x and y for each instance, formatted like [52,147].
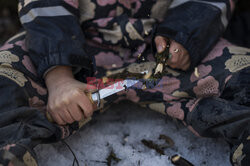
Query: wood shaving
[148,75]
[150,144]
[112,157]
[176,158]
[168,140]
[180,161]
[159,68]
[196,72]
[139,55]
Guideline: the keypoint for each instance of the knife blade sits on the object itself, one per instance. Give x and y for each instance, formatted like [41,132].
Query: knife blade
[113,89]
[96,97]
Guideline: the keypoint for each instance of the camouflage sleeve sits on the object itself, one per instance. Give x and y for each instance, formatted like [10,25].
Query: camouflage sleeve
[54,36]
[196,24]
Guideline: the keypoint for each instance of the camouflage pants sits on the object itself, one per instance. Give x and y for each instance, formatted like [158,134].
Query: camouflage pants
[216,103]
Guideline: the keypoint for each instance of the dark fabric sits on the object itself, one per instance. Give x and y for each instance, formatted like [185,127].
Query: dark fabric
[21,126]
[238,85]
[219,118]
[238,31]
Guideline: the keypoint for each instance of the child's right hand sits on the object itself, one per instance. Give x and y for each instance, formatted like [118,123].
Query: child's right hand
[67,101]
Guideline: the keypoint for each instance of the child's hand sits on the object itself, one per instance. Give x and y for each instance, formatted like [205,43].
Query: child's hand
[67,101]
[180,58]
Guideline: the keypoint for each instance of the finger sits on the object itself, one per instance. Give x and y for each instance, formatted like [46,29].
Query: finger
[86,105]
[176,51]
[160,43]
[174,46]
[185,63]
[174,61]
[89,88]
[186,66]
[56,117]
[76,112]
[184,60]
[174,66]
[179,54]
[59,120]
[65,115]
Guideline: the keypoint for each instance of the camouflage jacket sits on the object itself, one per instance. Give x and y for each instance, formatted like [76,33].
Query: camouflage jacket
[58,29]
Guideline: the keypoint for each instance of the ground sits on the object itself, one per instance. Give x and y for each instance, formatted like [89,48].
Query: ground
[121,129]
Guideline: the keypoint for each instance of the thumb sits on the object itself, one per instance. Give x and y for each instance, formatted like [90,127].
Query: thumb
[85,87]
[160,43]
[89,88]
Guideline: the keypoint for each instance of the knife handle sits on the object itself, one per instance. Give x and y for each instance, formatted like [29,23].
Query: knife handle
[88,94]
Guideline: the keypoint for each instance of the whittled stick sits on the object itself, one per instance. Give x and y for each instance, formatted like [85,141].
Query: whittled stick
[161,60]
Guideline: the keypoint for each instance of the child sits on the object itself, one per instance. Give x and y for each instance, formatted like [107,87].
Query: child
[64,42]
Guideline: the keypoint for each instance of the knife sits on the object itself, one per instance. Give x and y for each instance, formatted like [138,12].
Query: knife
[111,89]
[118,86]
[96,97]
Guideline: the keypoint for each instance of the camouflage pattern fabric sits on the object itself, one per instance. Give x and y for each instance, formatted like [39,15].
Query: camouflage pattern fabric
[213,101]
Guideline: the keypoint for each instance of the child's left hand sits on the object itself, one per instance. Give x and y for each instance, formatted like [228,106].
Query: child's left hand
[180,58]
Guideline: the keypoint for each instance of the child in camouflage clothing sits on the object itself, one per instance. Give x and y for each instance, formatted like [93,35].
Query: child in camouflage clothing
[44,67]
